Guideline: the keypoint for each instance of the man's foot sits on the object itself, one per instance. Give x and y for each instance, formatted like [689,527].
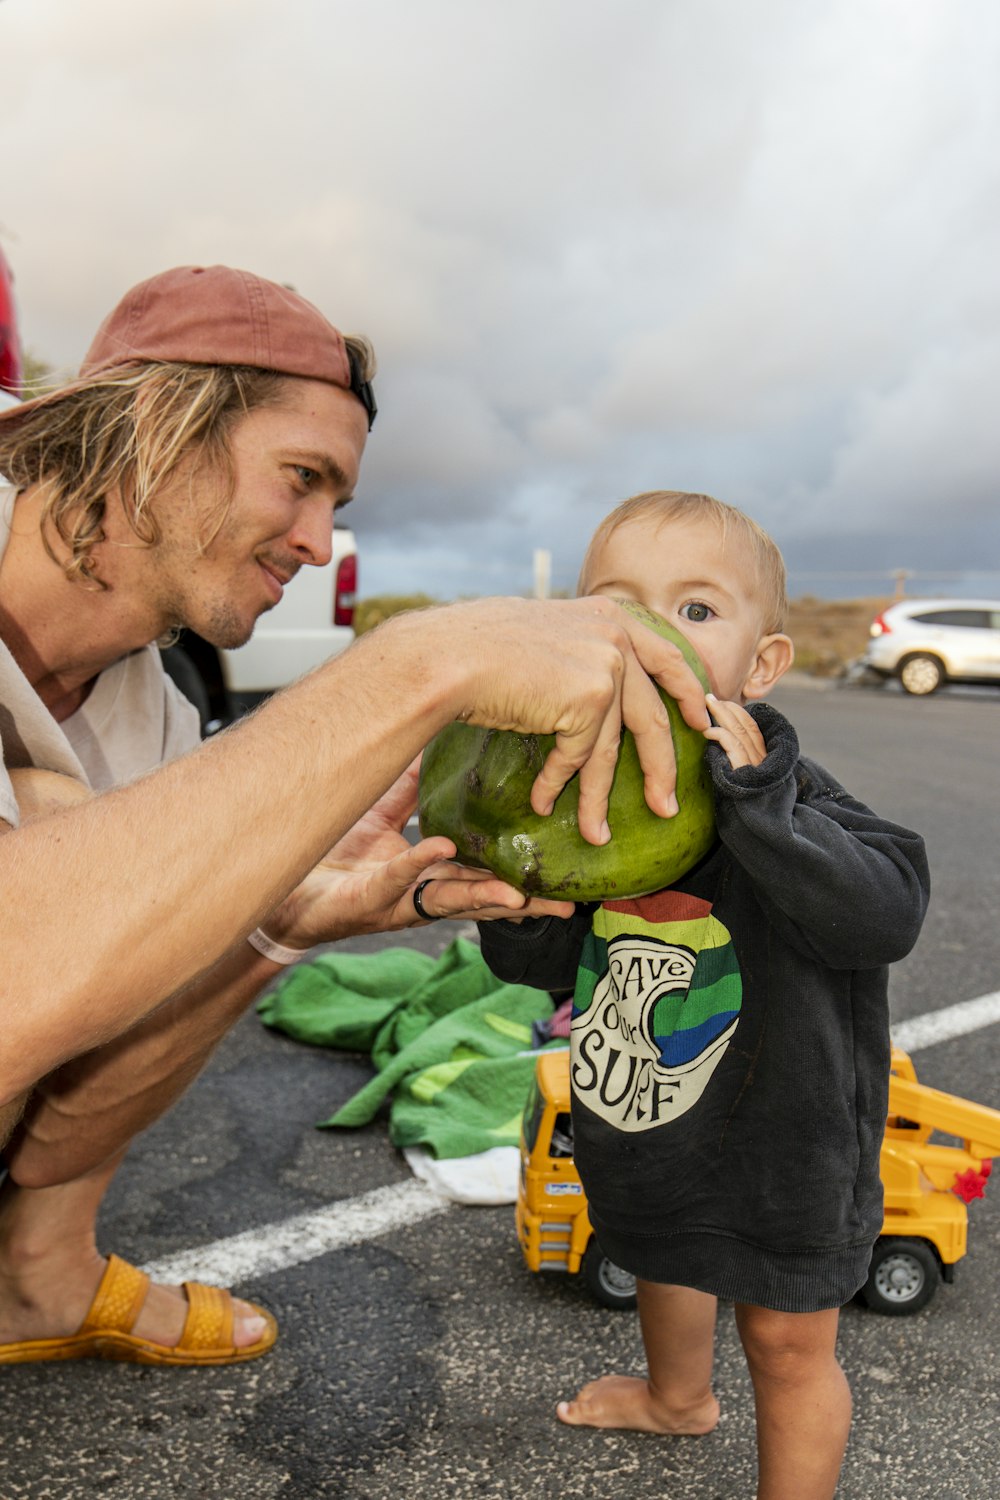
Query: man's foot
[625,1401]
[38,1305]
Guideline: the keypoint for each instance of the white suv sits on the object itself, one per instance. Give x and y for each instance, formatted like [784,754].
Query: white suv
[925,642]
[313,621]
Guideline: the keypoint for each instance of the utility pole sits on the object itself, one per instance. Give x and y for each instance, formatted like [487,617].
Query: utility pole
[543,572]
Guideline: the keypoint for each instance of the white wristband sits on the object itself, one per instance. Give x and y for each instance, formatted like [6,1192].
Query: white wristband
[274,951]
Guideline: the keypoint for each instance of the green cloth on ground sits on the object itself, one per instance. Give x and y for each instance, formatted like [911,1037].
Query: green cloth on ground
[451,1043]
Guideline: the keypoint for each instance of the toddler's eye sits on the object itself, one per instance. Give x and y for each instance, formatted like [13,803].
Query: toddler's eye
[696,612]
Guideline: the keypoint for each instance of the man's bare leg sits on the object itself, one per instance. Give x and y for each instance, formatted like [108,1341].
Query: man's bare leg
[678,1333]
[74,1133]
[50,1268]
[802,1398]
[62,1157]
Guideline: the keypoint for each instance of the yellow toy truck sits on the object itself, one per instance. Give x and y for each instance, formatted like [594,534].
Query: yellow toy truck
[927,1189]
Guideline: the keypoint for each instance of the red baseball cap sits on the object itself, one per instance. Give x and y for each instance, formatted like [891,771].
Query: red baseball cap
[213,315]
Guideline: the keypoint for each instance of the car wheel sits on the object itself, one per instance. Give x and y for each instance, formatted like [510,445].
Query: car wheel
[902,1278]
[607,1282]
[921,675]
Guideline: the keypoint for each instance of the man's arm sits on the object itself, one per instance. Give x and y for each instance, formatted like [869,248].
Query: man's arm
[116,904]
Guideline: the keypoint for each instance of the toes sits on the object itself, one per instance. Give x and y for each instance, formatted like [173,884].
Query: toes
[247,1331]
[248,1325]
[570,1413]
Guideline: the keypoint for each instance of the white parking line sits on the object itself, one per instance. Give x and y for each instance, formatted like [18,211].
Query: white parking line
[274,1247]
[351,1221]
[942,1025]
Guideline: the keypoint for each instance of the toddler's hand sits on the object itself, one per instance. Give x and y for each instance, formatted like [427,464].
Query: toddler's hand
[736,732]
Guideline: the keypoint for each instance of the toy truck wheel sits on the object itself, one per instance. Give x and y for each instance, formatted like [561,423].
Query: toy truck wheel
[607,1282]
[903,1277]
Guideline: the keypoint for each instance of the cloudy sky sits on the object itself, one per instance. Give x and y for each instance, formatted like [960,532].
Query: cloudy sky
[601,246]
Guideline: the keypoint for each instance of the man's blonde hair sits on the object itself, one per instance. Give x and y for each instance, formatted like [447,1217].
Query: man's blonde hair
[126,434]
[764,557]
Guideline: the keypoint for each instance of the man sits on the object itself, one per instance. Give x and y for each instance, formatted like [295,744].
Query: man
[196,464]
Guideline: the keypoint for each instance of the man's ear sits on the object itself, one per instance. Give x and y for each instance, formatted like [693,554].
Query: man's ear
[774,656]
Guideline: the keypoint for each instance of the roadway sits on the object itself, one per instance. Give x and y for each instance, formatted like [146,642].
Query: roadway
[423,1359]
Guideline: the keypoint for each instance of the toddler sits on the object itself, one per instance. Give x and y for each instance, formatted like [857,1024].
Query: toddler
[730,1035]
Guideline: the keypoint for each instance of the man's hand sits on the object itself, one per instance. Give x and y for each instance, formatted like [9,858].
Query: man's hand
[736,732]
[578,669]
[365,883]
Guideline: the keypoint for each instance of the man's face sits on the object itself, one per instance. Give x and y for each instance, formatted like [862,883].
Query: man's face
[684,571]
[295,464]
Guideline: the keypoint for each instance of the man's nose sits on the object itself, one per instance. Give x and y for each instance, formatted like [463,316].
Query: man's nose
[312,534]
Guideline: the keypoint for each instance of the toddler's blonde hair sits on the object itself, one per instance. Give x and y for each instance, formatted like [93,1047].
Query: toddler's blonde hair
[765,559]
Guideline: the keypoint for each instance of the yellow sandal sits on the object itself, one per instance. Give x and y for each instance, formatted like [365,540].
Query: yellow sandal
[106,1331]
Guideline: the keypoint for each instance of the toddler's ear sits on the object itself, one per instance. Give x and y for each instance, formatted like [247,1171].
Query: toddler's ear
[775,654]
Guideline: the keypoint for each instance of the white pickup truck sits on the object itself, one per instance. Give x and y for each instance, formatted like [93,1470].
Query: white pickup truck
[314,620]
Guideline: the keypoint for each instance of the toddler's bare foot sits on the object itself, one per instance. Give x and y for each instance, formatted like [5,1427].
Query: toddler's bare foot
[625,1401]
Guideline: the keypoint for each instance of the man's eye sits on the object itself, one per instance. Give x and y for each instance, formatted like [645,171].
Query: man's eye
[305,474]
[696,612]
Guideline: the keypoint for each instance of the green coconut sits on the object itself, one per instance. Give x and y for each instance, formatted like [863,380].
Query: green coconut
[475,787]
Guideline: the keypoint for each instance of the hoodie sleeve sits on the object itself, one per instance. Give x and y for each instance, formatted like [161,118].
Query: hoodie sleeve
[847,888]
[541,951]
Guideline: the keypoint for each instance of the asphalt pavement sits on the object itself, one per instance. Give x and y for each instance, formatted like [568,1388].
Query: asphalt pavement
[426,1361]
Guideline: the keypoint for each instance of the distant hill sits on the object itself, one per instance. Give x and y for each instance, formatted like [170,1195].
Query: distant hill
[830,633]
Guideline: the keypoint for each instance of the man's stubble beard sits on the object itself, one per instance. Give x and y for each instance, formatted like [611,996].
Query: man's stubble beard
[228,634]
[221,626]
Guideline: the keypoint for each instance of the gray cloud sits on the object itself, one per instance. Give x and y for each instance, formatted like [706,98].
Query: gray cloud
[749,249]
